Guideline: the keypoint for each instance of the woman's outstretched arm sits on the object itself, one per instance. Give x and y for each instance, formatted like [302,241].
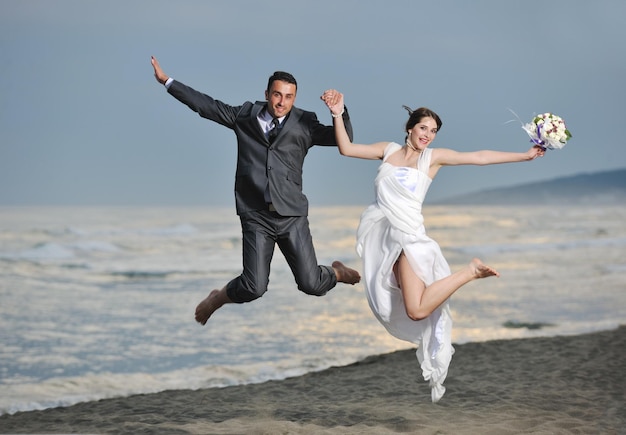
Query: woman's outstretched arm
[447,157]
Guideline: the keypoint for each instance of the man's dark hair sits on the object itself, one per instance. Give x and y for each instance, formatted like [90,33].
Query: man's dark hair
[282,76]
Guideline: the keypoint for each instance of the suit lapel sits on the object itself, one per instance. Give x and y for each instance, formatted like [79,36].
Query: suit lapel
[292,119]
[257,108]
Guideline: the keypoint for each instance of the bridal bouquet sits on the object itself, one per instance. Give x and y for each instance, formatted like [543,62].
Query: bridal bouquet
[548,131]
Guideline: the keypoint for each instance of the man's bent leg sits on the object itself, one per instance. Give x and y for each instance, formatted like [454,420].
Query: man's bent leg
[296,244]
[258,248]
[257,251]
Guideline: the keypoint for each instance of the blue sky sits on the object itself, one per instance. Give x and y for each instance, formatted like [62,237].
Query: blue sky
[83,121]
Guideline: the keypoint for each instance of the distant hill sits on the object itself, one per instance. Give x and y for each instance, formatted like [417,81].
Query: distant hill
[595,188]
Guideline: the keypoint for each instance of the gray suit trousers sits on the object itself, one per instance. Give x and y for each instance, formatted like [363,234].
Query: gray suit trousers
[262,230]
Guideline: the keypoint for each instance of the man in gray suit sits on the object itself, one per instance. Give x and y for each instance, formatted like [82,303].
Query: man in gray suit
[273,137]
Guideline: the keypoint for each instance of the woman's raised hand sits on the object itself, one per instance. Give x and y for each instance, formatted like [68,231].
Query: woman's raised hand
[333,100]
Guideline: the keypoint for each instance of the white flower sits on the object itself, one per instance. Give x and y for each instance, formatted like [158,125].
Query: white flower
[548,130]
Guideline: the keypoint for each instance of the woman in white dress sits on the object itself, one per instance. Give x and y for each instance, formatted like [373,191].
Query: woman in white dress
[407,280]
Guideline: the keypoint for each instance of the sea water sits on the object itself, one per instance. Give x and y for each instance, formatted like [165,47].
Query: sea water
[99,302]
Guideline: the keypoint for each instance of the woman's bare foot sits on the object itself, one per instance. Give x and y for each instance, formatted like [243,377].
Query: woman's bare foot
[345,274]
[210,304]
[481,270]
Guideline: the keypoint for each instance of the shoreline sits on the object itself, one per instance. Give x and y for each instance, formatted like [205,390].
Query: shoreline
[551,385]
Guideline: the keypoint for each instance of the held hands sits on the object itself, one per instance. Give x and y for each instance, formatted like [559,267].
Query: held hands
[334,101]
[158,72]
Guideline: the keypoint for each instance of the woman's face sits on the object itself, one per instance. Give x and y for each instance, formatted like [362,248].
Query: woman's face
[423,133]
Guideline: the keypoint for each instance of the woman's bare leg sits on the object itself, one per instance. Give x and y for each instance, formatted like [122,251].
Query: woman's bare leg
[420,301]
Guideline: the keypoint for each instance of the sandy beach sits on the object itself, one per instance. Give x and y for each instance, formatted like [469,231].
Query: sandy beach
[553,385]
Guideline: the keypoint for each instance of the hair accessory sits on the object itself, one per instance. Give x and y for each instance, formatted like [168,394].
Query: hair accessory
[408,109]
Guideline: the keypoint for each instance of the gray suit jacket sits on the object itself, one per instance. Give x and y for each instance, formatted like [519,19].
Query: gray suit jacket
[258,161]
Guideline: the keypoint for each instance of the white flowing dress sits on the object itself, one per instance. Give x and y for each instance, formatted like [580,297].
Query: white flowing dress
[392,224]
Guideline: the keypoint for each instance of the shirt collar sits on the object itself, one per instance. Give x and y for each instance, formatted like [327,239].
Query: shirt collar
[265,115]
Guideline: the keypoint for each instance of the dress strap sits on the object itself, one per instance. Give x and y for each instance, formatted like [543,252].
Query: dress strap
[423,163]
[391,148]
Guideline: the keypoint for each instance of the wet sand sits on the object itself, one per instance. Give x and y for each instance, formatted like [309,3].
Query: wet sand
[554,385]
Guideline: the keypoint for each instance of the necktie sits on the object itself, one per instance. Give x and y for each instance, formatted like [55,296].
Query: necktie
[274,131]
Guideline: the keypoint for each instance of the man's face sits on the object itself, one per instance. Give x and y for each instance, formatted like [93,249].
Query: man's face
[280,98]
